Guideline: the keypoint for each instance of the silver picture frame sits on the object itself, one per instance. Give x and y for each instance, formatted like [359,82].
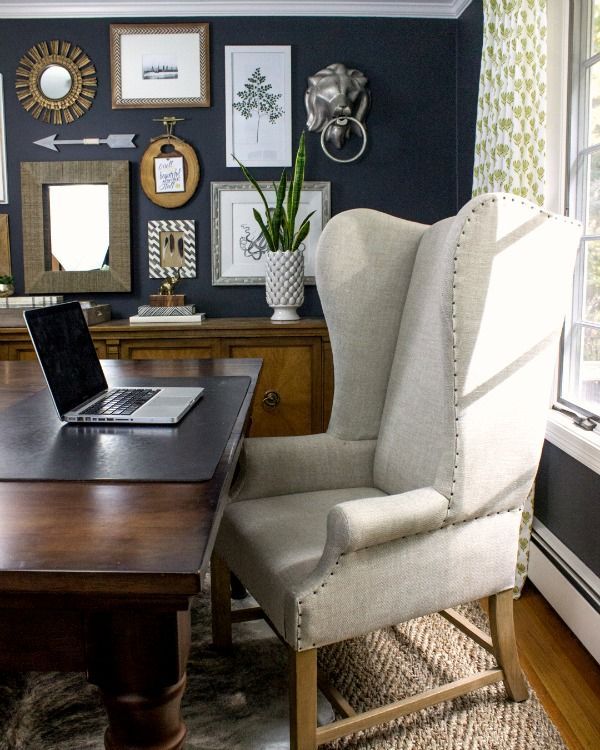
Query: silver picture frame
[238,247]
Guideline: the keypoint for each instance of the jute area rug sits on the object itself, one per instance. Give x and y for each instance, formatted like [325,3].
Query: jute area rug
[239,701]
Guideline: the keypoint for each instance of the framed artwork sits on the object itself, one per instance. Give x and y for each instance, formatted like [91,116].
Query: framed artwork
[238,246]
[159,65]
[3,182]
[258,106]
[172,248]
[5,268]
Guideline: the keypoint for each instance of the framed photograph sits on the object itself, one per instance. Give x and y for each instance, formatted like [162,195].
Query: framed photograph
[258,106]
[172,248]
[159,65]
[5,268]
[238,246]
[3,183]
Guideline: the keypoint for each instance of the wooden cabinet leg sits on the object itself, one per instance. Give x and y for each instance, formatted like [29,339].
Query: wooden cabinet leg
[505,645]
[303,699]
[220,595]
[138,659]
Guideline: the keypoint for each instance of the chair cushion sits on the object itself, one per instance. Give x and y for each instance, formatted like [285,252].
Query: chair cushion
[273,544]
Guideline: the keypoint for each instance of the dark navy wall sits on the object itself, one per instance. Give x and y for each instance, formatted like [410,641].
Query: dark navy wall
[409,168]
[469,44]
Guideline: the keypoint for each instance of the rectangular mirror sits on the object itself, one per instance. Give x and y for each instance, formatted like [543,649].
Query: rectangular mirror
[76,234]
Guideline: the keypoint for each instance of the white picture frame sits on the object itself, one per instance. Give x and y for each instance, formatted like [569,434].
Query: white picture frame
[3,175]
[238,248]
[176,238]
[258,129]
[160,65]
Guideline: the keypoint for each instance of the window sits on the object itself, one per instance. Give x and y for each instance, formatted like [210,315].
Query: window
[580,372]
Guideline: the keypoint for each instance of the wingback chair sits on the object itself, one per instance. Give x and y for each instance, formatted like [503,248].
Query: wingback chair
[444,342]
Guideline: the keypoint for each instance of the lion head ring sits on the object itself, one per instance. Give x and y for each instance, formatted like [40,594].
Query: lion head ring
[342,122]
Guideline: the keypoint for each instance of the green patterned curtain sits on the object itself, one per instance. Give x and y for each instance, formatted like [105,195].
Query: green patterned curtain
[511,113]
[511,131]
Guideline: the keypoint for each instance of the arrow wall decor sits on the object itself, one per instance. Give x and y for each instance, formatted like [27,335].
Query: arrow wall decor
[116,140]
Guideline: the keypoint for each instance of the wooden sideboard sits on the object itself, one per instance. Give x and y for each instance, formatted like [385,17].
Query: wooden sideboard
[295,388]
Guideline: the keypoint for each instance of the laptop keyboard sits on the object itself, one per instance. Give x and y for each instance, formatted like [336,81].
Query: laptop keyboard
[120,401]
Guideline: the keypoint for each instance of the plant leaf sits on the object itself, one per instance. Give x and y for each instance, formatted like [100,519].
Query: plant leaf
[296,187]
[278,211]
[256,186]
[302,232]
[264,229]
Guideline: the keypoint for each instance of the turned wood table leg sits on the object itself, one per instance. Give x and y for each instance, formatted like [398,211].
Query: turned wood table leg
[138,659]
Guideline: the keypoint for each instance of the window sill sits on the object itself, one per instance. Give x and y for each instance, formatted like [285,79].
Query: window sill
[582,445]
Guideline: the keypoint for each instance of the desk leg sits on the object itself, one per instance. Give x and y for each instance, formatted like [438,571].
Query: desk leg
[138,660]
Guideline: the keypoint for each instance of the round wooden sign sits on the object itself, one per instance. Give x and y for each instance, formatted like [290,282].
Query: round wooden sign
[169,172]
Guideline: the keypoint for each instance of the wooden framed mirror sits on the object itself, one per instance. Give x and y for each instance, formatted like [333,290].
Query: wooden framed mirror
[76,233]
[56,82]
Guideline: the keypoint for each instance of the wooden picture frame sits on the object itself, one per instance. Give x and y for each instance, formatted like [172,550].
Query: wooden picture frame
[238,248]
[5,265]
[176,237]
[158,149]
[160,65]
[36,180]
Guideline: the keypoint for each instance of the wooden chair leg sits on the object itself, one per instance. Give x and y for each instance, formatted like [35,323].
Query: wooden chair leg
[303,699]
[505,646]
[220,594]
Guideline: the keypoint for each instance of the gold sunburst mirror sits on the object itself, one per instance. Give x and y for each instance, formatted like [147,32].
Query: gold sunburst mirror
[56,82]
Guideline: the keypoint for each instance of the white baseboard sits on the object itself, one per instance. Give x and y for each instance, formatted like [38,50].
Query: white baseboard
[561,593]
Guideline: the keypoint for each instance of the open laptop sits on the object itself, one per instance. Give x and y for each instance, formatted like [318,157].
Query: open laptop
[76,381]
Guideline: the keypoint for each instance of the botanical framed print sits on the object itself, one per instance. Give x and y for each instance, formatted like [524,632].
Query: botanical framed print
[172,248]
[159,65]
[238,246]
[3,183]
[258,106]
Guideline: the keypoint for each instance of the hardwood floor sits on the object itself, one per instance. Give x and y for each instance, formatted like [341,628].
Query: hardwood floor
[563,674]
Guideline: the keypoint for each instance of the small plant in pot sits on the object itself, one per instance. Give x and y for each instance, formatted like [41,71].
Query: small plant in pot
[284,275]
[6,286]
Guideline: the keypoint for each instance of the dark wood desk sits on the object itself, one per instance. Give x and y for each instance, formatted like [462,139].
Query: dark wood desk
[98,576]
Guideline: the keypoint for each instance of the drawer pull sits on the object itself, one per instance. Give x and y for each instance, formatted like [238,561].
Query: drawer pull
[271,399]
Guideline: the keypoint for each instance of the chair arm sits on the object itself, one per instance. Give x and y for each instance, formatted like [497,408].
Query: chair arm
[357,524]
[272,466]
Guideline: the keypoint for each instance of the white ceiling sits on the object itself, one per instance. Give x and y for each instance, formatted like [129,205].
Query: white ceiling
[206,8]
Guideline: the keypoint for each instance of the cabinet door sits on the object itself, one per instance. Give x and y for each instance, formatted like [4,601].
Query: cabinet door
[288,398]
[21,350]
[176,348]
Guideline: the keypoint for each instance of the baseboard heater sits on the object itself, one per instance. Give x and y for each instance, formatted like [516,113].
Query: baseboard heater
[569,586]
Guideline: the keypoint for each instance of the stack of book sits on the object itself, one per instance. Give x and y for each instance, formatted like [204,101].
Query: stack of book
[37,300]
[12,308]
[177,314]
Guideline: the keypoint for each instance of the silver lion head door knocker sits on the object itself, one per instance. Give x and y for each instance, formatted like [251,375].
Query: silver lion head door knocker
[337,102]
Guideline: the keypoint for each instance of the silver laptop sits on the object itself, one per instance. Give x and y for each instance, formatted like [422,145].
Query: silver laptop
[76,381]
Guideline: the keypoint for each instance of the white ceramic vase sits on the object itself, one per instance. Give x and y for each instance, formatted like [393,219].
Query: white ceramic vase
[284,284]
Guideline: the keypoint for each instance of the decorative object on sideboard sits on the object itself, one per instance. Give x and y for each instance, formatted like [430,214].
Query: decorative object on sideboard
[56,82]
[159,65]
[116,140]
[166,288]
[337,102]
[168,307]
[53,226]
[7,286]
[172,248]
[3,177]
[12,309]
[258,106]
[169,169]
[238,246]
[284,277]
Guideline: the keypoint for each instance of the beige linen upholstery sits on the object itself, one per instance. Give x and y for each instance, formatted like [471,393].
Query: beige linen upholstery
[443,341]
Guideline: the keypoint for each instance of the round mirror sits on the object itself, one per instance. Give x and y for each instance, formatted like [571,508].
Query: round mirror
[55,82]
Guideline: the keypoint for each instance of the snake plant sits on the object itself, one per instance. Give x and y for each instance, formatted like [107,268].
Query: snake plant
[279,223]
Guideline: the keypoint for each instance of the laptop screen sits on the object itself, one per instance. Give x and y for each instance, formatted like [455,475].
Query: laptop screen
[66,352]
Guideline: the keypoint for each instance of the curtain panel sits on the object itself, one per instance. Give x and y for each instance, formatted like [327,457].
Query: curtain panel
[511,132]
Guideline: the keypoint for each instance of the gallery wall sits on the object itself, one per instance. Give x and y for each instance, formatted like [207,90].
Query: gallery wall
[410,168]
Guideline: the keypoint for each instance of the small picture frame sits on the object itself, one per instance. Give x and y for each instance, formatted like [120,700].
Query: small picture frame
[3,178]
[159,65]
[172,248]
[238,246]
[258,106]
[169,174]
